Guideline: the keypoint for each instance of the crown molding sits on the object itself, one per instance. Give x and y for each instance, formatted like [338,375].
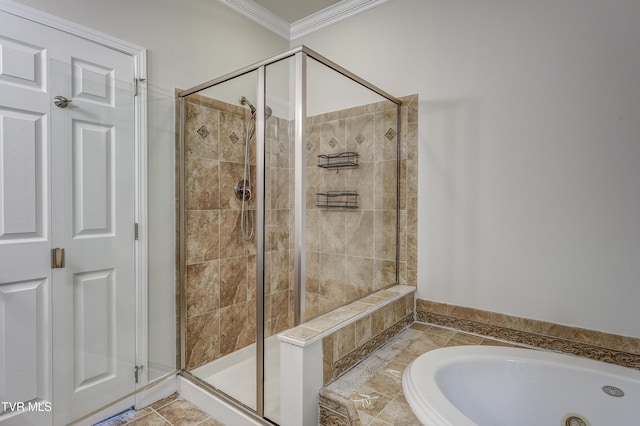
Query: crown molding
[304,26]
[331,15]
[260,15]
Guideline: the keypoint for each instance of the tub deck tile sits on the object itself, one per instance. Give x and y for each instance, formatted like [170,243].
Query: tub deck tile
[373,389]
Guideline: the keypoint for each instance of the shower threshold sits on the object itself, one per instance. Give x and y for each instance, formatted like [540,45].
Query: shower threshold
[235,375]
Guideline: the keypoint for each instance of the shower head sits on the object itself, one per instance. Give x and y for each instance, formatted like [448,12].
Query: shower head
[267,109]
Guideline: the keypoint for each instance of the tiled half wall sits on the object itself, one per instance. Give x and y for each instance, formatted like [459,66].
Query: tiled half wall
[351,344]
[612,348]
[319,351]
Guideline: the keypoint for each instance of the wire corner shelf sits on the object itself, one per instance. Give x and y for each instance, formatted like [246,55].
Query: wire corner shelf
[348,159]
[337,200]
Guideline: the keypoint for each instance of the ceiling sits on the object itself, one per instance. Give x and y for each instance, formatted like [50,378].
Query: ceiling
[294,10]
[292,19]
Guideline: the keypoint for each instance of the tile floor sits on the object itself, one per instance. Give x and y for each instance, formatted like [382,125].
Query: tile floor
[375,385]
[170,411]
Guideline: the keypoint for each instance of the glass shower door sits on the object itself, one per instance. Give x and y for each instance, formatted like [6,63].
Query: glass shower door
[220,237]
[279,214]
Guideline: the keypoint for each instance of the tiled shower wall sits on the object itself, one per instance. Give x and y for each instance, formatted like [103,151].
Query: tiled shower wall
[220,273]
[351,253]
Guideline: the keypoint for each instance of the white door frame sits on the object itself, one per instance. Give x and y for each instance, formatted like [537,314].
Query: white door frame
[139,56]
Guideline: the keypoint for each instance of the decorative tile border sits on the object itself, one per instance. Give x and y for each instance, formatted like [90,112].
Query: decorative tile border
[336,410]
[586,350]
[344,364]
[349,345]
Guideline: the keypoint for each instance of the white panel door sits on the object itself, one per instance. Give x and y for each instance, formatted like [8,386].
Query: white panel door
[67,179]
[93,206]
[25,274]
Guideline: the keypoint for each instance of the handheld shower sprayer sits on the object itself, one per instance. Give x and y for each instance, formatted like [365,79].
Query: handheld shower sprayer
[245,101]
[267,109]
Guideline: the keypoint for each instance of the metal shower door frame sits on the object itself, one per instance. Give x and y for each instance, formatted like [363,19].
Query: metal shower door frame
[300,55]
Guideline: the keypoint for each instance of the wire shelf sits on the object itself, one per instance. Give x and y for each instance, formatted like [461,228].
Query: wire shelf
[337,200]
[341,160]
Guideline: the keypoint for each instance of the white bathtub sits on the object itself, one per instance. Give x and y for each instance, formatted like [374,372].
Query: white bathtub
[500,386]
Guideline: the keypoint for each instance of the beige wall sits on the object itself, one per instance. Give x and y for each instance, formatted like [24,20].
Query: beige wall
[528,149]
[188,42]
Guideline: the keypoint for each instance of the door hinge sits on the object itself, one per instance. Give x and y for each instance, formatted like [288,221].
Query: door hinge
[137,369]
[136,83]
[135,231]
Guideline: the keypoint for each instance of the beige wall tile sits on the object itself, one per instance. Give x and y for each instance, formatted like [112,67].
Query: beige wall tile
[232,137]
[231,244]
[202,240]
[363,330]
[360,136]
[230,174]
[201,184]
[202,288]
[203,339]
[332,231]
[204,144]
[233,281]
[345,341]
[237,330]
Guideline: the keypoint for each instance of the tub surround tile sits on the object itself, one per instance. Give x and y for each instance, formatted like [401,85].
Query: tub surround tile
[398,412]
[345,363]
[369,401]
[379,377]
[388,382]
[336,410]
[363,330]
[541,334]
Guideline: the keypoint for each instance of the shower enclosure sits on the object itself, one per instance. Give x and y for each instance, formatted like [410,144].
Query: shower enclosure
[288,174]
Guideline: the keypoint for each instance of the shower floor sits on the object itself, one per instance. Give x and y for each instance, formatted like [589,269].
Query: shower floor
[235,375]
